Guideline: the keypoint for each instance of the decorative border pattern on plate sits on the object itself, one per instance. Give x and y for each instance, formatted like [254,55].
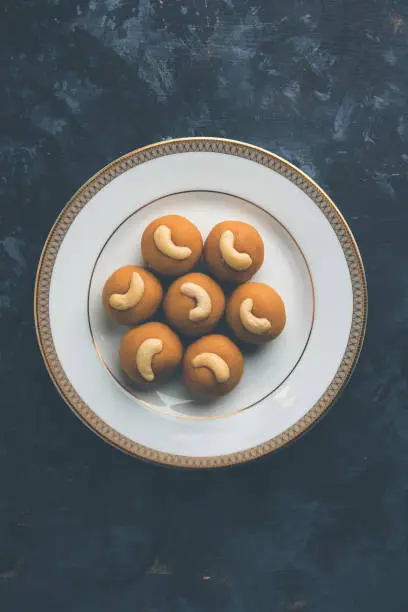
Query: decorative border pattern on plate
[170,147]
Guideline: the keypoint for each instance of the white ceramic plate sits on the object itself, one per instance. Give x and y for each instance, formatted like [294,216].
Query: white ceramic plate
[311,259]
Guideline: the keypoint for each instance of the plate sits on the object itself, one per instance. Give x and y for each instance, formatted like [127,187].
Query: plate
[311,259]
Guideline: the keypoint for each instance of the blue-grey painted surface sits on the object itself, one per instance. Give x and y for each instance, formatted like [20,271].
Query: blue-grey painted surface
[323,525]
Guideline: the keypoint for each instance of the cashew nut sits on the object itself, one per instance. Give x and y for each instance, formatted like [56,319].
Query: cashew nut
[213,362]
[163,241]
[202,309]
[145,353]
[124,301]
[253,324]
[233,258]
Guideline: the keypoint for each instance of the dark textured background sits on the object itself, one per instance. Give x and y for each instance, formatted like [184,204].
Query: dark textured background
[321,526]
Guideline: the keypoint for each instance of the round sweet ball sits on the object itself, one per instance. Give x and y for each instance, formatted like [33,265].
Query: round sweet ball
[234,251]
[171,245]
[149,354]
[256,313]
[131,295]
[194,304]
[212,366]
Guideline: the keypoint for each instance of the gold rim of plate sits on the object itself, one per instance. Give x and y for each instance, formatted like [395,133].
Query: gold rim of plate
[170,147]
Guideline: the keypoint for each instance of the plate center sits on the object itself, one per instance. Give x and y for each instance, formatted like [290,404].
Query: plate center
[285,269]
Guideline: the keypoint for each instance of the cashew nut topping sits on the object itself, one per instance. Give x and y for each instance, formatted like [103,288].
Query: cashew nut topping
[213,362]
[163,241]
[124,301]
[202,309]
[253,324]
[145,353]
[233,258]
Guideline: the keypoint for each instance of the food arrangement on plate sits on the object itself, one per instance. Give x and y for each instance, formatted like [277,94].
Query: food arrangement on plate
[193,305]
[153,326]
